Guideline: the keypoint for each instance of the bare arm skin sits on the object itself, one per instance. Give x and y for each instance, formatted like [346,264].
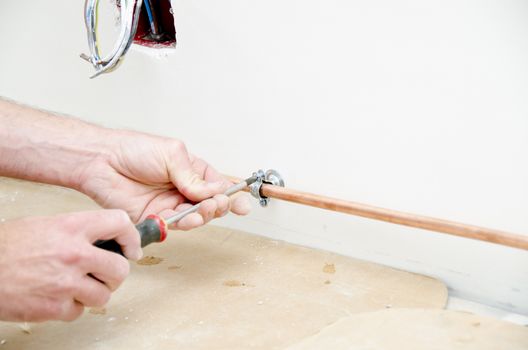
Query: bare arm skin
[46,262]
[39,146]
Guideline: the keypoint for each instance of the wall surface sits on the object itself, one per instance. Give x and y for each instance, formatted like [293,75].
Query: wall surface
[411,105]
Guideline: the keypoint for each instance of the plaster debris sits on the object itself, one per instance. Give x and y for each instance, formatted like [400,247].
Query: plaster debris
[327,282]
[174,267]
[111,319]
[260,302]
[329,268]
[98,311]
[3,341]
[233,283]
[149,260]
[25,327]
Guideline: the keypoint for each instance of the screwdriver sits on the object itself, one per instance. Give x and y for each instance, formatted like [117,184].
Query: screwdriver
[154,228]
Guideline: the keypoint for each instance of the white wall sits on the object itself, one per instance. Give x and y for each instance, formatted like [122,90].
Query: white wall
[412,105]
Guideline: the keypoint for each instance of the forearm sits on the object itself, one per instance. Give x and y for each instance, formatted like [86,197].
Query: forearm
[39,146]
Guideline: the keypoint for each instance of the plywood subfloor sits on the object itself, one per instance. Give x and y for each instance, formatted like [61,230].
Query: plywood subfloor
[415,329]
[216,288]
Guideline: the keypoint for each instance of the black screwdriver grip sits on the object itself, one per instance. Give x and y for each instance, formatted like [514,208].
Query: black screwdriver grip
[152,230]
[111,246]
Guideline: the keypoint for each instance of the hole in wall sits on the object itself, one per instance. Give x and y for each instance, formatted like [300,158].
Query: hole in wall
[156,25]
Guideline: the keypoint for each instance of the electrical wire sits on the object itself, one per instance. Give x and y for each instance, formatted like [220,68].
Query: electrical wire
[153,20]
[149,12]
[129,16]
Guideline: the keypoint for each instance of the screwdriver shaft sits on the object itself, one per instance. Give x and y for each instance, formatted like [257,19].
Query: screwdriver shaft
[231,190]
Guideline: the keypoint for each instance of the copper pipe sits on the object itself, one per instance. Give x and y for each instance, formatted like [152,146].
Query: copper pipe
[394,216]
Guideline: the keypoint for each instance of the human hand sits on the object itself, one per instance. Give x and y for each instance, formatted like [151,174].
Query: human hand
[45,263]
[140,173]
[145,174]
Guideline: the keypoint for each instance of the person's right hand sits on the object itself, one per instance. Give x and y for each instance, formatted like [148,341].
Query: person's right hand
[45,263]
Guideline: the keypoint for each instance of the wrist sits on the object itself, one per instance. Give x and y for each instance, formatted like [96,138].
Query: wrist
[89,150]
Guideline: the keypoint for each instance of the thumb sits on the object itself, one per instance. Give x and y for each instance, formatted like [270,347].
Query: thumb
[188,182]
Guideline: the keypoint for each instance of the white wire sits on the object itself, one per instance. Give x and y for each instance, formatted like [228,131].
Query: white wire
[130,10]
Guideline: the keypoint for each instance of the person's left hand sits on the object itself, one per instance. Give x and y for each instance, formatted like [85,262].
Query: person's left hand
[145,174]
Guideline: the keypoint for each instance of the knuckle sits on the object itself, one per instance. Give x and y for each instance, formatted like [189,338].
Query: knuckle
[199,162]
[208,205]
[187,190]
[221,198]
[99,297]
[125,270]
[222,204]
[72,256]
[192,184]
[104,298]
[121,271]
[223,212]
[120,217]
[178,146]
[67,223]
[51,309]
[73,313]
[67,285]
[211,209]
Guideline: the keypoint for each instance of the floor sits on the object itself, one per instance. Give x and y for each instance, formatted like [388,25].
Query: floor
[219,288]
[459,304]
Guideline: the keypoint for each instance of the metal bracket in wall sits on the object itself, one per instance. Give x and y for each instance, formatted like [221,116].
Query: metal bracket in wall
[271,177]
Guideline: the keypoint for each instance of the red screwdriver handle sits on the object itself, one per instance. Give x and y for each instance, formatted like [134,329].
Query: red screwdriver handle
[152,230]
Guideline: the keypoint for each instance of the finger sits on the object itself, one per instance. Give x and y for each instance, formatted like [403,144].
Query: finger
[90,292]
[186,223]
[210,174]
[107,267]
[71,310]
[240,204]
[187,180]
[222,205]
[168,213]
[189,222]
[200,166]
[207,209]
[105,225]
[166,199]
[207,172]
